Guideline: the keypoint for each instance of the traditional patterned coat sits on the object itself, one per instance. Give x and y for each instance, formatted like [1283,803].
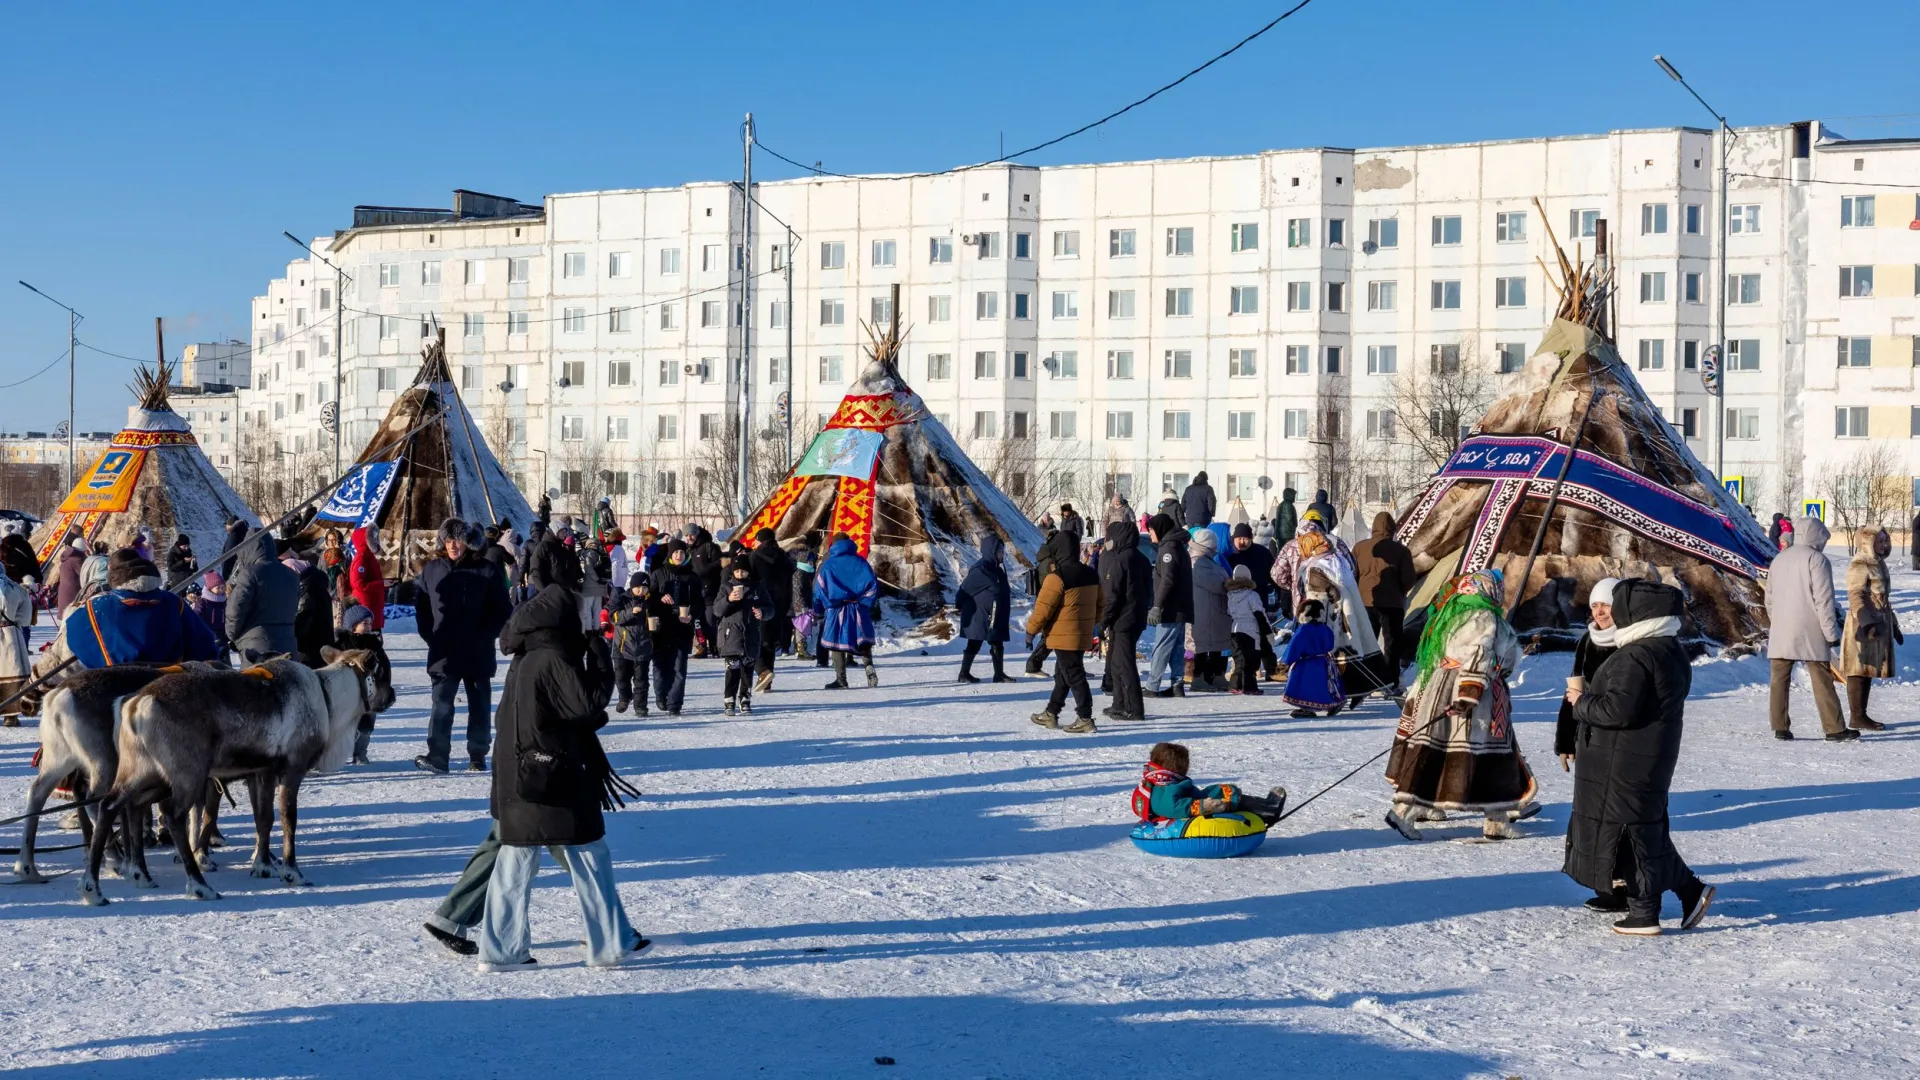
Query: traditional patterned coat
[1455,748]
[844,592]
[16,616]
[1866,641]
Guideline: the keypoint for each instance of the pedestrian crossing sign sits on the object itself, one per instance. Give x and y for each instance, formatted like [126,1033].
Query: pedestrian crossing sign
[1815,508]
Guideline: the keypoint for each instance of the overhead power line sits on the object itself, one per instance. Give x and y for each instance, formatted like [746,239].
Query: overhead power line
[1058,139]
[22,382]
[1810,180]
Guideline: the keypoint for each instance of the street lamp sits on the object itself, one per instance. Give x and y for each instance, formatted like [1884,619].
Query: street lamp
[73,327]
[340,278]
[1720,326]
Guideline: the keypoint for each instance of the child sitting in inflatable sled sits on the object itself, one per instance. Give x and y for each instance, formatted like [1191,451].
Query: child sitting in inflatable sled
[1182,819]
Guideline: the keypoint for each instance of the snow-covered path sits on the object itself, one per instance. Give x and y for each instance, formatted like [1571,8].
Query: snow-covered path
[916,872]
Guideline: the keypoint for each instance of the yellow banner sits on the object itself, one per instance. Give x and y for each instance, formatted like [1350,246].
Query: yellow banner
[107,487]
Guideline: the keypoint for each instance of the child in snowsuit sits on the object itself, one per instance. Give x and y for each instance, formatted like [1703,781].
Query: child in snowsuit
[1313,679]
[632,644]
[356,632]
[1249,629]
[1165,793]
[737,613]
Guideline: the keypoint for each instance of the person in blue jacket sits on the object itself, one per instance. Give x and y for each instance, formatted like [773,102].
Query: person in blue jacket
[844,592]
[1313,679]
[136,621]
[1166,794]
[986,604]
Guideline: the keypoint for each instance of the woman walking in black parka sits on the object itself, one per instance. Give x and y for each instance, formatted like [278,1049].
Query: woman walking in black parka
[1630,718]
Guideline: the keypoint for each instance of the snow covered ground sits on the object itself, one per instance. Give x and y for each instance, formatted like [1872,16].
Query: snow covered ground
[918,873]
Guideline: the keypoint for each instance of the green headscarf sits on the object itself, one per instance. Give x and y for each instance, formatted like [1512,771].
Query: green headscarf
[1482,590]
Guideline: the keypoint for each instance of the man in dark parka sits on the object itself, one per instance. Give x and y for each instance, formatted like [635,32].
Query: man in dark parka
[1126,586]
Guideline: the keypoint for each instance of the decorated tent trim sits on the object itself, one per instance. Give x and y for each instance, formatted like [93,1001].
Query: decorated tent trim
[848,448]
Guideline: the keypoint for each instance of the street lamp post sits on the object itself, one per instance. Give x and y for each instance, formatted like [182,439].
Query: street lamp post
[73,328]
[340,280]
[1720,325]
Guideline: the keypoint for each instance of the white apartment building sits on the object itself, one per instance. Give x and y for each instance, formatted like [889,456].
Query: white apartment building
[1131,324]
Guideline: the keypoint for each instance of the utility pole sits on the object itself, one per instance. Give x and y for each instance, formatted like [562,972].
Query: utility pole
[340,280]
[1720,326]
[159,346]
[73,330]
[745,368]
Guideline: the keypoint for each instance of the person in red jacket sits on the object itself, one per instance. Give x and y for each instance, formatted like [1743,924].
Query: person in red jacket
[365,577]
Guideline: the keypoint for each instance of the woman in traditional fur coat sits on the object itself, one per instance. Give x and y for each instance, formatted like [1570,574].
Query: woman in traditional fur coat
[1867,640]
[1455,748]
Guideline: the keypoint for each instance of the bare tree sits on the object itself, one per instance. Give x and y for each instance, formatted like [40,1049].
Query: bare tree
[586,474]
[1867,488]
[1434,404]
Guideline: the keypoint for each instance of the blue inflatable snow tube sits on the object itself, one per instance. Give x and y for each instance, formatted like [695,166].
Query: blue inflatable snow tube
[1222,836]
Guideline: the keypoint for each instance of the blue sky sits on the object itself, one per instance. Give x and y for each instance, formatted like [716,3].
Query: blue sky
[153,154]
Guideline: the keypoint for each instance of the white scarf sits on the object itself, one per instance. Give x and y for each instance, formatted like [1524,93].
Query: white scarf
[1602,638]
[1667,626]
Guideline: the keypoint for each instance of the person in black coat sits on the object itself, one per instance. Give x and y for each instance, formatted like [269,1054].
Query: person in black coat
[236,531]
[1258,559]
[703,560]
[737,613]
[670,612]
[552,563]
[1589,653]
[313,627]
[1630,719]
[462,606]
[1197,503]
[1061,546]
[549,783]
[1126,585]
[180,561]
[986,609]
[1325,506]
[1172,605]
[632,643]
[773,571]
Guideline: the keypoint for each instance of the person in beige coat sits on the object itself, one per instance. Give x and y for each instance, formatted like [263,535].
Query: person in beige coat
[1805,629]
[1871,632]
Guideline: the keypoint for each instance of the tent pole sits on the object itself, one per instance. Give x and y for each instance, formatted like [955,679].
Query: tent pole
[1553,500]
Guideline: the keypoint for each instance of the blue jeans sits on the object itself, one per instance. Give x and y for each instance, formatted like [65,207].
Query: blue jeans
[1169,654]
[479,717]
[504,935]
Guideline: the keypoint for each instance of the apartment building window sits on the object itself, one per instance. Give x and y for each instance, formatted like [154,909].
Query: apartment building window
[619,320]
[777,313]
[1690,287]
[1743,423]
[430,272]
[669,316]
[1120,243]
[516,324]
[1180,302]
[1689,423]
[1066,305]
[1299,360]
[1855,351]
[1330,426]
[939,366]
[389,274]
[1446,296]
[1120,364]
[1120,303]
[1064,364]
[1017,426]
[1063,425]
[1653,354]
[1243,363]
[833,255]
[326,299]
[325,350]
[986,305]
[1176,424]
[777,257]
[711,313]
[1850,422]
[573,428]
[1299,296]
[667,427]
[1512,356]
[1856,211]
[776,370]
[880,311]
[1856,281]
[1384,232]
[1066,244]
[1743,354]
[1178,364]
[885,252]
[1336,295]
[389,327]
[1383,359]
[666,482]
[709,426]
[1510,292]
[669,373]
[1334,357]
[940,249]
[573,373]
[1383,295]
[1690,219]
[299,316]
[1244,236]
[1583,223]
[1299,232]
[1689,355]
[472,325]
[1381,424]
[1120,425]
[519,270]
[1443,360]
[830,370]
[1294,424]
[1018,366]
[1653,287]
[1510,227]
[1180,240]
[940,308]
[1743,288]
[1743,218]
[387,379]
[1653,219]
[669,261]
[619,265]
[986,425]
[1240,425]
[1446,231]
[573,264]
[1336,232]
[833,313]
[986,364]
[300,406]
[619,372]
[617,428]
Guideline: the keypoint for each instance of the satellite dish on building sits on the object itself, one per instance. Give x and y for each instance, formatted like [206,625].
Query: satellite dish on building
[1265,482]
[1368,247]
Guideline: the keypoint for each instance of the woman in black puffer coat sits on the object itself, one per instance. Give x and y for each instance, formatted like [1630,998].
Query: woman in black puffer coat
[1628,742]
